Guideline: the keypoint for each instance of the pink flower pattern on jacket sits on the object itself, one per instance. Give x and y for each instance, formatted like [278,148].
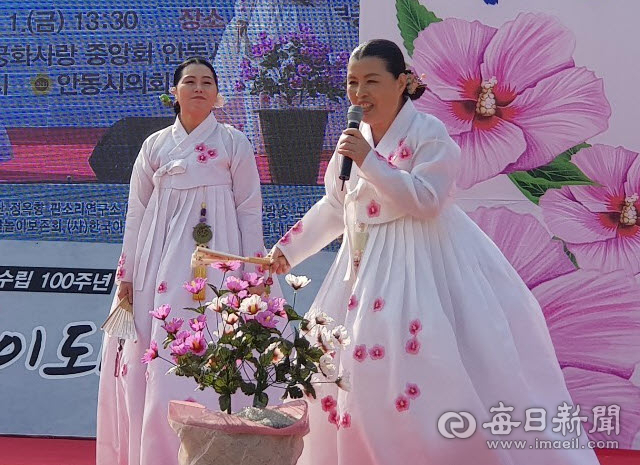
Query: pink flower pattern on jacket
[402,403]
[373,209]
[297,228]
[402,152]
[360,353]
[120,271]
[377,352]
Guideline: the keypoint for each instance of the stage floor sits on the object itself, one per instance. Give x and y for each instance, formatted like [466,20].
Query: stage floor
[44,451]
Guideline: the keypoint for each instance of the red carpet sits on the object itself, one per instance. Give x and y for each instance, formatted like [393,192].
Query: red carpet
[41,451]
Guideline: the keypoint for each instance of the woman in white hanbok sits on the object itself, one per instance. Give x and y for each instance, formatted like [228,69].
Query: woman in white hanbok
[196,160]
[438,319]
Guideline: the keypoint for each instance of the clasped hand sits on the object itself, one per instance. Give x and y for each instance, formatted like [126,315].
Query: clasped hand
[279,263]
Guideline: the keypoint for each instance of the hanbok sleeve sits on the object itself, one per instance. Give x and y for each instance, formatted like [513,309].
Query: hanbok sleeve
[421,192]
[323,223]
[247,196]
[140,190]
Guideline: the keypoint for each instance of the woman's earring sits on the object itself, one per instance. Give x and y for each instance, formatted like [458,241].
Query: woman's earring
[166,100]
[220,101]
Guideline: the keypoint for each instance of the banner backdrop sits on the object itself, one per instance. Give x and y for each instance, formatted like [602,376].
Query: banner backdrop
[53,299]
[539,96]
[79,87]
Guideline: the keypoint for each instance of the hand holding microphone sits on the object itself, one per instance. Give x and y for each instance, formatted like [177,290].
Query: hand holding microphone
[352,145]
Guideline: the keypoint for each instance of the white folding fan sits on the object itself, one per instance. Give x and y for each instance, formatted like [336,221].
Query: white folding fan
[120,322]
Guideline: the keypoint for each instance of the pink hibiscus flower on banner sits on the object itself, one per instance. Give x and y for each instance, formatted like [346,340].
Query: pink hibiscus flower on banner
[601,391]
[512,97]
[594,322]
[593,318]
[600,223]
[526,243]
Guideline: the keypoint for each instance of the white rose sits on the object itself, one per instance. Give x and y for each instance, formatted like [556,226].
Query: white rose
[253,305]
[297,282]
[216,305]
[328,368]
[316,319]
[341,336]
[325,340]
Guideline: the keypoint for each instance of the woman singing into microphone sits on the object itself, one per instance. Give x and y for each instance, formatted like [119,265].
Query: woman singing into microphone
[442,327]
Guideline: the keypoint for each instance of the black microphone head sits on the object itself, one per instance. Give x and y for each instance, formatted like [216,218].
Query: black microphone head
[354,114]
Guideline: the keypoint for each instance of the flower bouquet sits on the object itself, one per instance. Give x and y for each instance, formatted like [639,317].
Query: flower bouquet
[296,77]
[245,340]
[295,67]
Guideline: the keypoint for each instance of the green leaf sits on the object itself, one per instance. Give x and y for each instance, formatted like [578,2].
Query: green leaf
[305,373]
[528,185]
[220,386]
[281,373]
[413,18]
[225,403]
[208,380]
[292,315]
[314,353]
[309,389]
[224,354]
[168,340]
[266,358]
[571,256]
[567,252]
[573,150]
[225,339]
[295,392]
[215,290]
[286,347]
[560,172]
[260,375]
[301,343]
[260,400]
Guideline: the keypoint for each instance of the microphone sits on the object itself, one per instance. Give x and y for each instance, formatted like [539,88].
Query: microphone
[354,116]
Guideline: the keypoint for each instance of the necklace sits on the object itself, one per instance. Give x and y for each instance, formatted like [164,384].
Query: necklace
[202,235]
